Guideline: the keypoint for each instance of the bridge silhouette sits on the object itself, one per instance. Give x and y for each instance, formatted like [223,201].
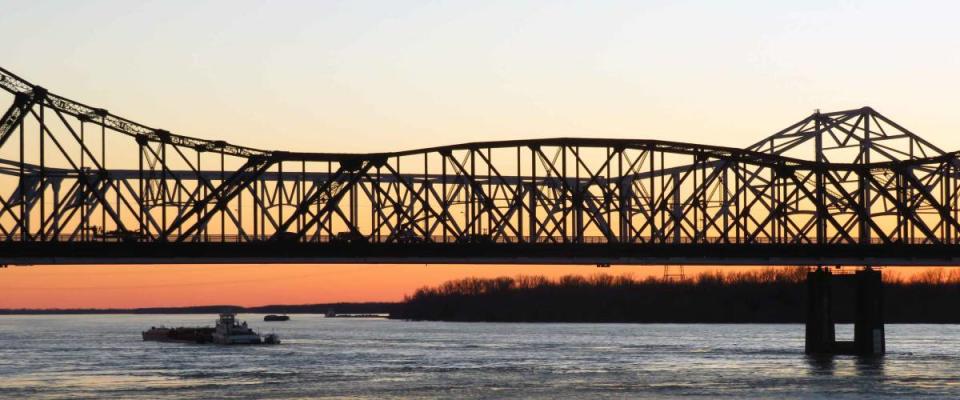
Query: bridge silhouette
[81,185]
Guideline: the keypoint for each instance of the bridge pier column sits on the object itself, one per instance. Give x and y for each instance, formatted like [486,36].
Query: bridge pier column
[820,335]
[868,334]
[868,338]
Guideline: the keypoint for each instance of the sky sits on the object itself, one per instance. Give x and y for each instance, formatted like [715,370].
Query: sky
[366,76]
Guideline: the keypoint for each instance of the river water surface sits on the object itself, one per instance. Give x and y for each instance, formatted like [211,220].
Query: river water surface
[102,356]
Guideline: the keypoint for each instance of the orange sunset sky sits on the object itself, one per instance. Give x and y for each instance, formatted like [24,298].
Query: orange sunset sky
[368,76]
[249,285]
[182,285]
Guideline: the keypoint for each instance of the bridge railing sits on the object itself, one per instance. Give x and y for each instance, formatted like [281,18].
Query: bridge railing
[438,239]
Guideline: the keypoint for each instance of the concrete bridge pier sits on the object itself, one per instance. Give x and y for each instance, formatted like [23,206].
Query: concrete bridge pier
[820,335]
[868,337]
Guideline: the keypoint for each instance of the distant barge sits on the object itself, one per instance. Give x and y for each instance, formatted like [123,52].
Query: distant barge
[333,314]
[359,316]
[227,331]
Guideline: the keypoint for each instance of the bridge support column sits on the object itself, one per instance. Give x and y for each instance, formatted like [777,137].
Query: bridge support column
[868,338]
[868,334]
[820,335]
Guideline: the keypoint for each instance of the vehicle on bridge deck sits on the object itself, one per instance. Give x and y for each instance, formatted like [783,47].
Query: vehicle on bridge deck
[287,237]
[349,237]
[408,237]
[476,238]
[122,236]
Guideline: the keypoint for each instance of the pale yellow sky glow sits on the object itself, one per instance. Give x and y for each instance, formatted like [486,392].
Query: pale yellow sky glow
[371,76]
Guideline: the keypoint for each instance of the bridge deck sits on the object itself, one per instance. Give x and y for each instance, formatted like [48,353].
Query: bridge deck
[77,253]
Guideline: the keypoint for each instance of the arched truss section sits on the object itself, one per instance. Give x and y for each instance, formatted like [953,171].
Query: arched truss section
[75,173]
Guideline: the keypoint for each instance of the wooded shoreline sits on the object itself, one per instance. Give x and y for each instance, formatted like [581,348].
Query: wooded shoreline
[765,296]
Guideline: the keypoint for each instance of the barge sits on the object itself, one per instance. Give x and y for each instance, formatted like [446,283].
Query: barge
[227,331]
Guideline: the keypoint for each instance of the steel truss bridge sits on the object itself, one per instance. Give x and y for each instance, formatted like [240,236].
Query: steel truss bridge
[81,185]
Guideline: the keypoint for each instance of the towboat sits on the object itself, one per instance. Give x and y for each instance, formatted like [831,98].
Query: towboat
[227,331]
[231,331]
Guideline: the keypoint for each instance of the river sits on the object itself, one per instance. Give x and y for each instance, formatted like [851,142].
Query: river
[103,356]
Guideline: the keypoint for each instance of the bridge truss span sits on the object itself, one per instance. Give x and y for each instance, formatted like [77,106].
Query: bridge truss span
[81,185]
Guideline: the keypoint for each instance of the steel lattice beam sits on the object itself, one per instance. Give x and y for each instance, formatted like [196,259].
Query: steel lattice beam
[851,182]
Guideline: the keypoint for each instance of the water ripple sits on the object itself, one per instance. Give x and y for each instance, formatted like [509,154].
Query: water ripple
[54,357]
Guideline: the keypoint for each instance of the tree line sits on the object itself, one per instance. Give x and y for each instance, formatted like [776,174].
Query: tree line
[773,295]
